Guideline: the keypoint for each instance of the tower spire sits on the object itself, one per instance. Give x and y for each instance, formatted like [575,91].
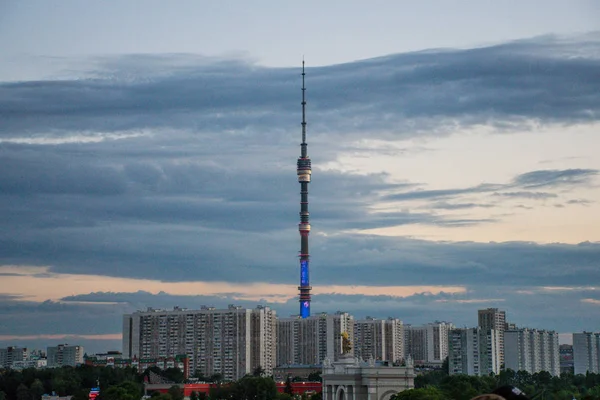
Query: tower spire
[304,172]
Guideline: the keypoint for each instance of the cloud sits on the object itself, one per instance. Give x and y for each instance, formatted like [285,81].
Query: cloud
[553,178]
[184,171]
[528,195]
[504,85]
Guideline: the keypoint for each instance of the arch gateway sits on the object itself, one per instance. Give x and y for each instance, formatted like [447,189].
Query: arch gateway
[351,379]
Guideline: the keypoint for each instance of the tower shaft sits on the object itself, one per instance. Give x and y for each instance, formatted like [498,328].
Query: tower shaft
[304,172]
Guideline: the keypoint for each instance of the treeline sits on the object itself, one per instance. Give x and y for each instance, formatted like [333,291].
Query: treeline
[438,385]
[31,383]
[127,384]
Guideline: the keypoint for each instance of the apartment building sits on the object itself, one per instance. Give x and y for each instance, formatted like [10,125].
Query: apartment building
[473,351]
[379,339]
[492,318]
[427,344]
[531,350]
[309,341]
[586,352]
[231,342]
[12,354]
[64,355]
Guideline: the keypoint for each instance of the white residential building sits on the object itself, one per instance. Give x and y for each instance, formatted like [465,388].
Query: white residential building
[379,339]
[369,339]
[231,342]
[394,335]
[309,341]
[532,350]
[473,351]
[586,352]
[64,355]
[492,318]
[427,344]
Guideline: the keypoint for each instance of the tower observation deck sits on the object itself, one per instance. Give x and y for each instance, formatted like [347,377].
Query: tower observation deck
[304,174]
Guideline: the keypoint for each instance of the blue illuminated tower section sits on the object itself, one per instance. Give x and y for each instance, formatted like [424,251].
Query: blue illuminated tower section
[304,173]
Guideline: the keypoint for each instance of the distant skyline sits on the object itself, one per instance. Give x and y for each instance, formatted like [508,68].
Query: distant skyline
[147,158]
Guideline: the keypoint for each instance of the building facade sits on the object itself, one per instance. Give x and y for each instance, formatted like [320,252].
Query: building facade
[64,355]
[379,339]
[351,379]
[369,339]
[309,341]
[492,318]
[532,350]
[473,351]
[231,342]
[12,354]
[565,352]
[586,352]
[427,344]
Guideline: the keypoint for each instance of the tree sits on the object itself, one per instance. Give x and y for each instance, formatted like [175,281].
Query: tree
[2,395]
[315,377]
[23,392]
[258,371]
[174,375]
[254,387]
[37,389]
[127,390]
[176,392]
[317,396]
[194,395]
[288,386]
[446,366]
[429,393]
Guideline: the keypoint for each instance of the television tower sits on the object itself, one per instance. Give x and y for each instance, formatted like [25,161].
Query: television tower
[304,172]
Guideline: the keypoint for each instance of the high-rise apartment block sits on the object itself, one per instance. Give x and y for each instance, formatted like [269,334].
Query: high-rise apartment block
[379,339]
[492,318]
[586,352]
[231,342]
[394,339]
[532,350]
[473,352]
[9,355]
[427,344]
[64,355]
[311,340]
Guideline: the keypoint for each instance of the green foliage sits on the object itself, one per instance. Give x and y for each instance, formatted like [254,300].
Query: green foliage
[23,392]
[254,388]
[428,393]
[176,392]
[193,395]
[317,396]
[127,390]
[36,389]
[220,392]
[174,375]
[258,371]
[315,377]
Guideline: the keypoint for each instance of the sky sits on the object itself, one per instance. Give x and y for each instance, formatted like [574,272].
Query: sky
[148,153]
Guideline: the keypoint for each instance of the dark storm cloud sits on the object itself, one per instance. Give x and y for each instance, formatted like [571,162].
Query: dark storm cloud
[403,93]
